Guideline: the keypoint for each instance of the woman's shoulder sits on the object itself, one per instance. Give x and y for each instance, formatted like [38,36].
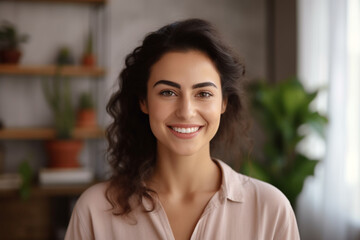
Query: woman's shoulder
[93,198]
[262,201]
[91,208]
[250,189]
[98,188]
[268,201]
[267,193]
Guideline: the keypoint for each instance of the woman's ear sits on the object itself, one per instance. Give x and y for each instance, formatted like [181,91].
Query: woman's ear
[144,106]
[223,105]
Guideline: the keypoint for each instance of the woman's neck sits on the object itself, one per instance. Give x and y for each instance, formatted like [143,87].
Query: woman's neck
[185,175]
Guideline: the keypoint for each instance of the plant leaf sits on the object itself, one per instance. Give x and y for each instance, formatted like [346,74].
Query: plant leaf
[255,170]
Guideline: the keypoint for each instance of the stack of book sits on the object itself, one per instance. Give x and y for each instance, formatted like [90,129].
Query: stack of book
[65,176]
[10,181]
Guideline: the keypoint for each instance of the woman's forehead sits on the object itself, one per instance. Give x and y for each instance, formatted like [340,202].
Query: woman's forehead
[185,67]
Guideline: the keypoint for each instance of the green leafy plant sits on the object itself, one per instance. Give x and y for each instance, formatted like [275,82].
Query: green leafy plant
[26,174]
[58,97]
[86,101]
[9,37]
[89,58]
[281,110]
[89,44]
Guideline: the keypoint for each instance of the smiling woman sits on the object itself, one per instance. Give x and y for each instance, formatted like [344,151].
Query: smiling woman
[179,91]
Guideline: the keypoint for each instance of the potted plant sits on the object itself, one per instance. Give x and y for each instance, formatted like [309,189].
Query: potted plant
[89,58]
[64,56]
[281,110]
[86,115]
[10,41]
[63,151]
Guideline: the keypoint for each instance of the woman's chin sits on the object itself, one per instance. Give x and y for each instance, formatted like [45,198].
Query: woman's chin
[184,150]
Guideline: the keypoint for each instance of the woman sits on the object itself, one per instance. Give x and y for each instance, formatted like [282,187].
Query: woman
[179,92]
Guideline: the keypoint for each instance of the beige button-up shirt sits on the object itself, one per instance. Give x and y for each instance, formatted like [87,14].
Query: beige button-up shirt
[243,208]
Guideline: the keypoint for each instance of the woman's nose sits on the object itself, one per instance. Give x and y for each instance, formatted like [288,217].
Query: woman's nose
[186,108]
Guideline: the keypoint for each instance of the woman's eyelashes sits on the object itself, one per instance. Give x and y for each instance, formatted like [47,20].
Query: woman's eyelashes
[167,93]
[171,93]
[204,94]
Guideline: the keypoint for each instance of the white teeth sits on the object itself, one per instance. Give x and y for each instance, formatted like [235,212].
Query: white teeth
[185,130]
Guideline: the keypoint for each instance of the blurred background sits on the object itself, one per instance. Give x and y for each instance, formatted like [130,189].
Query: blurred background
[59,60]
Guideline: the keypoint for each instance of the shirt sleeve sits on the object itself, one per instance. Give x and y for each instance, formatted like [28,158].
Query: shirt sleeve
[77,228]
[290,229]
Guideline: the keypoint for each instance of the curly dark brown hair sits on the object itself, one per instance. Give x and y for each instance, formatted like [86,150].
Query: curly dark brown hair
[132,146]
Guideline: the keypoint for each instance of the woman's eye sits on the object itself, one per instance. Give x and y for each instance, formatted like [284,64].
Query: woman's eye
[204,94]
[167,93]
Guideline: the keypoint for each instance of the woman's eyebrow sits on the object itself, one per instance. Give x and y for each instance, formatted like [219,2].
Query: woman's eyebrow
[176,85]
[204,84]
[167,82]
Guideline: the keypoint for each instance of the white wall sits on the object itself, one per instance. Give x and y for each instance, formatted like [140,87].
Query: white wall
[242,23]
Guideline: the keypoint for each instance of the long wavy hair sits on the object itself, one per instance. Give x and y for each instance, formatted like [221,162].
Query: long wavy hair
[132,146]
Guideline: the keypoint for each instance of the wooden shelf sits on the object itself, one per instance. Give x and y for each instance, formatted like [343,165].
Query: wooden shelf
[61,190]
[61,1]
[50,70]
[49,191]
[47,133]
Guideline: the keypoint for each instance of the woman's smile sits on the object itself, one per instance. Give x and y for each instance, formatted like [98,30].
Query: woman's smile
[185,132]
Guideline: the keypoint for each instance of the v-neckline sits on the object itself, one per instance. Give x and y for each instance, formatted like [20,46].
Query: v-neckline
[212,203]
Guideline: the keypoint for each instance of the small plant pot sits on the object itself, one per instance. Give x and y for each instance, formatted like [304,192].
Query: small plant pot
[86,118]
[10,56]
[88,60]
[63,153]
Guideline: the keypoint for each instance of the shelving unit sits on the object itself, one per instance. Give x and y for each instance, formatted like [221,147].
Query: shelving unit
[30,72]
[48,207]
[50,70]
[40,215]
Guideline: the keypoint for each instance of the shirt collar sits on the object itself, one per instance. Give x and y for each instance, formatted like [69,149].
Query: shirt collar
[232,183]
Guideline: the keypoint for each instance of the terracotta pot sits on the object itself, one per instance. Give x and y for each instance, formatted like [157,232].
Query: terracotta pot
[88,60]
[11,56]
[86,118]
[63,153]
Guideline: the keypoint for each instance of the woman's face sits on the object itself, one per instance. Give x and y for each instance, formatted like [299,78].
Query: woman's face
[184,102]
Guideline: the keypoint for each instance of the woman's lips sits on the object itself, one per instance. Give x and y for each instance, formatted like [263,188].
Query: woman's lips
[185,132]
